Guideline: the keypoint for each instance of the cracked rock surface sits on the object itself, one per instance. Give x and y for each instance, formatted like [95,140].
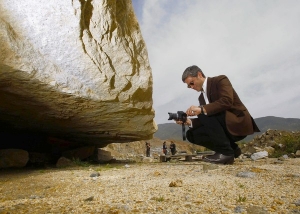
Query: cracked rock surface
[77,70]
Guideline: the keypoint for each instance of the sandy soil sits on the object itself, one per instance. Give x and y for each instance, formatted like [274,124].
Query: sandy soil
[173,187]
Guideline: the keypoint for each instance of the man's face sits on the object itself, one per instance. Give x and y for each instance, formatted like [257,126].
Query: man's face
[195,82]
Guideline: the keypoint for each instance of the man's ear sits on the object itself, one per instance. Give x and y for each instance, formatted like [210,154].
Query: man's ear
[200,74]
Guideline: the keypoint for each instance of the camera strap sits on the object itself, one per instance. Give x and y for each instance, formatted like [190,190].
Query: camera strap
[183,132]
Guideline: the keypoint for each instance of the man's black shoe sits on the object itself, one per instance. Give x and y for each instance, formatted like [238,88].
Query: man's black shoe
[237,152]
[219,158]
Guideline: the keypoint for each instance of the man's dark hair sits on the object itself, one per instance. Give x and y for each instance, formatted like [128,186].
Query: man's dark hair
[191,71]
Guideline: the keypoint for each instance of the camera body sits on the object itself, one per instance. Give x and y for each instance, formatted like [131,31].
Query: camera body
[179,116]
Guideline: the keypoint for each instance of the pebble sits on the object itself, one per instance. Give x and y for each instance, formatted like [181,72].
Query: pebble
[89,198]
[95,174]
[239,209]
[246,174]
[297,203]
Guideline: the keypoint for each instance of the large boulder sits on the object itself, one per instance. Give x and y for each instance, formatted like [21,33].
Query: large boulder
[13,158]
[76,70]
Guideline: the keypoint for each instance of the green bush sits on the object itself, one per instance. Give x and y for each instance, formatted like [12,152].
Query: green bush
[290,144]
[78,162]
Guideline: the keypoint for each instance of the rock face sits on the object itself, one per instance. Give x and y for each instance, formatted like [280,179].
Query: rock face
[76,70]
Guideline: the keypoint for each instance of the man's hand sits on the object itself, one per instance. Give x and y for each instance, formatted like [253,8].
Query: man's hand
[193,111]
[187,122]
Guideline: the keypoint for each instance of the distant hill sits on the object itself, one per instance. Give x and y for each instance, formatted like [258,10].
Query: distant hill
[174,131]
[169,131]
[270,122]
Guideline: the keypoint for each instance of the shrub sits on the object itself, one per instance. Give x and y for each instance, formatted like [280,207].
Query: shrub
[290,144]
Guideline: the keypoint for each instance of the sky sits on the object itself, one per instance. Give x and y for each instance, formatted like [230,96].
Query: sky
[255,43]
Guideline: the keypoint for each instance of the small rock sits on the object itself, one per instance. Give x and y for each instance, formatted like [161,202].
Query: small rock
[285,156]
[271,143]
[297,203]
[256,210]
[95,174]
[126,166]
[258,149]
[259,155]
[34,197]
[124,207]
[270,150]
[89,198]
[298,153]
[238,209]
[156,173]
[278,162]
[177,183]
[64,162]
[247,154]
[246,174]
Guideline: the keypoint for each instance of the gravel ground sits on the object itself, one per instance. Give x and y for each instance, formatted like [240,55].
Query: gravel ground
[264,186]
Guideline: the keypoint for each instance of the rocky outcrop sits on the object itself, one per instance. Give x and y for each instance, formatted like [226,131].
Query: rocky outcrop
[273,143]
[76,70]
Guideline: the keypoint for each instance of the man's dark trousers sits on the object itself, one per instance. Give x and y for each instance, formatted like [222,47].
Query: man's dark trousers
[214,135]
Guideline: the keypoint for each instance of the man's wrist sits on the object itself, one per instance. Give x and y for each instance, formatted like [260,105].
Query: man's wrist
[202,112]
[191,125]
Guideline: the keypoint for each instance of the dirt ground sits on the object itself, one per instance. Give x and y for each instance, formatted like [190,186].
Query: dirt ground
[264,186]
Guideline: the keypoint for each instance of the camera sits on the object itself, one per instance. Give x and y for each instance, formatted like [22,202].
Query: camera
[179,116]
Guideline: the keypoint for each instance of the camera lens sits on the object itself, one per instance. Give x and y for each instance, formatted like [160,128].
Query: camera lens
[173,116]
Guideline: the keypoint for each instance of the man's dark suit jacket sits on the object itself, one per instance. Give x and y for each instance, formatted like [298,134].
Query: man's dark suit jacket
[222,97]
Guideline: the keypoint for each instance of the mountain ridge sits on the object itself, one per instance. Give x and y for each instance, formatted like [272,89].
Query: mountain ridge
[174,131]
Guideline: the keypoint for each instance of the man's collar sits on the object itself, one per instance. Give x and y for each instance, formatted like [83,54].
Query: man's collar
[204,86]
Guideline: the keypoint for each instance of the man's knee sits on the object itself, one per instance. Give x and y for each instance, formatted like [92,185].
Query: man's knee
[189,136]
[197,136]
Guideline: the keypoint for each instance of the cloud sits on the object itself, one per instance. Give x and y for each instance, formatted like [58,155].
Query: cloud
[255,43]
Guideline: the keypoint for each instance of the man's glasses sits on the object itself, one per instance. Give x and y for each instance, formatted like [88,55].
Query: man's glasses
[190,84]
